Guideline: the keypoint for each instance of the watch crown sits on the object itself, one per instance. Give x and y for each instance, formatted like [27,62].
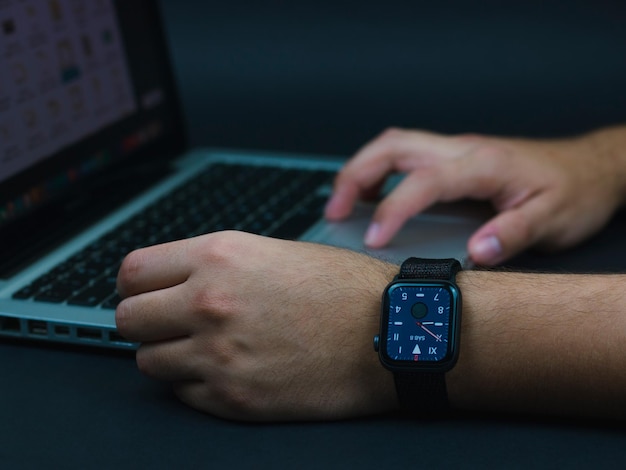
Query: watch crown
[376,341]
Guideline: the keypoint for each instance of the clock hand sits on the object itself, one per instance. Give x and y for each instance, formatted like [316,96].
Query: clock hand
[437,337]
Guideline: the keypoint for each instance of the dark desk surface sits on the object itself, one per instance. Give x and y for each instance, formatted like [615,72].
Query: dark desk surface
[62,407]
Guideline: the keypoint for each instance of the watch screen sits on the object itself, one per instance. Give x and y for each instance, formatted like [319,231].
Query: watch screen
[418,322]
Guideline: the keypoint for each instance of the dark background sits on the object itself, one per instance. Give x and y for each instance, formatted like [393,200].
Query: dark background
[322,76]
[326,76]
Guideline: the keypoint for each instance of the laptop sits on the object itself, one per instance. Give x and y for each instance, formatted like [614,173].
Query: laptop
[93,164]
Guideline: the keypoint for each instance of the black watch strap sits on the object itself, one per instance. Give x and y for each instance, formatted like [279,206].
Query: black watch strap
[417,388]
[424,268]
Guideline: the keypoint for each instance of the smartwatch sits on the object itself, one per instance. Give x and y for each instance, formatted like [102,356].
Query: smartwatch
[419,331]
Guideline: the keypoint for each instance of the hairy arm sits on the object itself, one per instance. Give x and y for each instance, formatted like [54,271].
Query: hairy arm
[547,193]
[252,328]
[542,343]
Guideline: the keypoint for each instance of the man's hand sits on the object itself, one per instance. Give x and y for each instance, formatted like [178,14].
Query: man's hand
[551,193]
[248,327]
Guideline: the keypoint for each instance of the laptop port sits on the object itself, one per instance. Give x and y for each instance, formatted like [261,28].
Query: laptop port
[10,324]
[115,337]
[88,333]
[38,327]
[61,330]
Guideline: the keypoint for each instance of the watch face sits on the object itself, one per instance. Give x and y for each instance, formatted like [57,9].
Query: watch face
[419,324]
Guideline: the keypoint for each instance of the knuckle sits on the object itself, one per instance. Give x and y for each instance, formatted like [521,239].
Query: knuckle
[202,300]
[221,248]
[488,152]
[393,139]
[392,133]
[490,157]
[213,305]
[470,137]
[218,299]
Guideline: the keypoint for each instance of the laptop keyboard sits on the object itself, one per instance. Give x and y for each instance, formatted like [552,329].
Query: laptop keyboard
[271,201]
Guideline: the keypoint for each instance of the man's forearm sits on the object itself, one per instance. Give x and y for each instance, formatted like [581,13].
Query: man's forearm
[542,343]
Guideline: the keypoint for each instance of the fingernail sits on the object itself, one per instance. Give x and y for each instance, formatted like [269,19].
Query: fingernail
[487,249]
[371,235]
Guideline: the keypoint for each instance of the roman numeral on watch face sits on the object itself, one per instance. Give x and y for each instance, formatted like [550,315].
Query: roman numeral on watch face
[418,323]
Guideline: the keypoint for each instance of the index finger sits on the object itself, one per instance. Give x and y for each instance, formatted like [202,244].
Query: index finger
[395,150]
[153,268]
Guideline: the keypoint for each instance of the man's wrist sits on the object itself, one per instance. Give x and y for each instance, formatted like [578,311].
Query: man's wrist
[607,146]
[541,343]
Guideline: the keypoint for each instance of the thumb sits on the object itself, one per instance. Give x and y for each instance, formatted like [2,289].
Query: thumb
[508,233]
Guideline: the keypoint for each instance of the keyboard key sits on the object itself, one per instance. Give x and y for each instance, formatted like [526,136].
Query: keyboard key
[300,221]
[251,198]
[95,293]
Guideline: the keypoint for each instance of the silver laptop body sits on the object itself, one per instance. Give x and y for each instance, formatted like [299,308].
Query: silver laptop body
[84,112]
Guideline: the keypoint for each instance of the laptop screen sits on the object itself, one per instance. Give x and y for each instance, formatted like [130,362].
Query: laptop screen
[85,86]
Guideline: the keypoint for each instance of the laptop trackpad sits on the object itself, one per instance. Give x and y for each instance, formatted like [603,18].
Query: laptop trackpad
[440,232]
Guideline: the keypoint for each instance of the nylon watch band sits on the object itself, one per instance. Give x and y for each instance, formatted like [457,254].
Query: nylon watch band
[417,388]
